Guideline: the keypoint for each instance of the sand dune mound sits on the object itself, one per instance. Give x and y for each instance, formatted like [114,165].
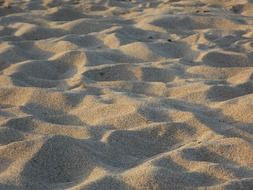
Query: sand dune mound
[126,95]
[60,159]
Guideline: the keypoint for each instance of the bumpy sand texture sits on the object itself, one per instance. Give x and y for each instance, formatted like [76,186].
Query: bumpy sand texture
[126,95]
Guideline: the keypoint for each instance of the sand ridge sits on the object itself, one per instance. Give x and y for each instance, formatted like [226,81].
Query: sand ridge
[126,94]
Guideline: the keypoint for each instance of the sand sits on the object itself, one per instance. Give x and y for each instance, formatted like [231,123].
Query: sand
[126,94]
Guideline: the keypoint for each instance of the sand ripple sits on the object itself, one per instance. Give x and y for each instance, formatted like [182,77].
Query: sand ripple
[116,94]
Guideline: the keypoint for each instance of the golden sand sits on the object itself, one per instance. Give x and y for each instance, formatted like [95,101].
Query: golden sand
[126,95]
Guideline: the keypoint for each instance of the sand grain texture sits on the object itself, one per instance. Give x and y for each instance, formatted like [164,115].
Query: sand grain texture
[126,95]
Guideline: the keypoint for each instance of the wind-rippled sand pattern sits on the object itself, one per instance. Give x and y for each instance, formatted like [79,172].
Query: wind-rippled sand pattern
[126,95]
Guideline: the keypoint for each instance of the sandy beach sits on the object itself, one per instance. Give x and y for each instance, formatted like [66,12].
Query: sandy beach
[126,94]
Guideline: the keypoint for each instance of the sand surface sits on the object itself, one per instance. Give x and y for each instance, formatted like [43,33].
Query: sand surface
[126,94]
